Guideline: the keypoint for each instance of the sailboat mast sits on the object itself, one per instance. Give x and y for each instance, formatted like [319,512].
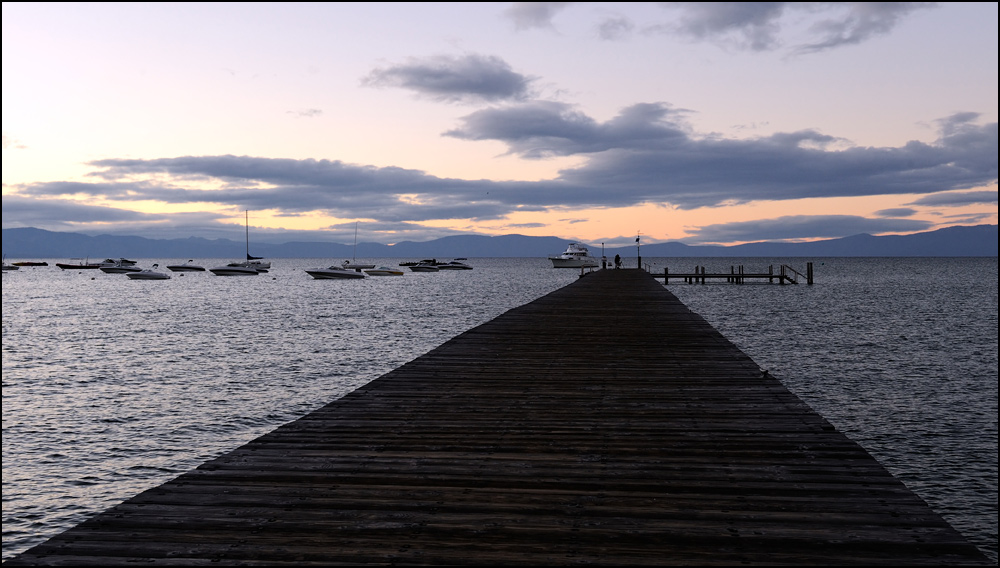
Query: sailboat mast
[355,254]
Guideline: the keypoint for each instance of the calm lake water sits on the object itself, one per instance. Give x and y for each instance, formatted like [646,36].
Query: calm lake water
[112,386]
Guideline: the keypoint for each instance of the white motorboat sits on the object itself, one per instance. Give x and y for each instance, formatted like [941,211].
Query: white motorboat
[234,269]
[186,267]
[454,265]
[148,274]
[424,266]
[119,267]
[577,255]
[384,271]
[253,262]
[335,273]
[117,262]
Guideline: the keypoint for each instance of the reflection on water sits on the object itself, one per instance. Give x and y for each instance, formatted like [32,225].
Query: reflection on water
[112,386]
[900,354]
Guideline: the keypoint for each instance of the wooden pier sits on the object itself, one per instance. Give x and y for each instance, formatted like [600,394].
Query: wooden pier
[604,423]
[737,275]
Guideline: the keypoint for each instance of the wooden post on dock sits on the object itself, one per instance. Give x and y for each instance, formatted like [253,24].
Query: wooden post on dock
[770,270]
[666,275]
[781,280]
[809,273]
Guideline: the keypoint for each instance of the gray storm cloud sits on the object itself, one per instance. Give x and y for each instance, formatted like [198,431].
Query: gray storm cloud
[464,79]
[646,154]
[753,26]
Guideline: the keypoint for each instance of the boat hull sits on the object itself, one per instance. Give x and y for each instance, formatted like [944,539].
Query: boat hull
[334,274]
[234,271]
[384,271]
[573,262]
[78,266]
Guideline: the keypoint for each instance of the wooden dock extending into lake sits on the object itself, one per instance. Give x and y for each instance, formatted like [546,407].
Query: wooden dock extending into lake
[784,275]
[604,423]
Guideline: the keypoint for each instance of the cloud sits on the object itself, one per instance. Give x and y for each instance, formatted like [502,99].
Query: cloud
[292,187]
[466,79]
[897,212]
[764,26]
[859,22]
[648,153]
[799,228]
[615,28]
[957,199]
[307,113]
[754,25]
[12,143]
[529,15]
[27,212]
[543,129]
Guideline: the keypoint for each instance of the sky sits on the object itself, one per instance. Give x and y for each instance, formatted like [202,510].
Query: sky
[703,123]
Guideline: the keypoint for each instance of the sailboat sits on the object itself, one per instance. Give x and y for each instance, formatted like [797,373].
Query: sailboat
[353,264]
[249,267]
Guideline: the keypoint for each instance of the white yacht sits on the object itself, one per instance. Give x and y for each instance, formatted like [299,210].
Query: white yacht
[577,255]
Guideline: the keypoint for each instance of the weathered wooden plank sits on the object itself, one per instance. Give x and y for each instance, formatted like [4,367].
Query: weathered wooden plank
[665,445]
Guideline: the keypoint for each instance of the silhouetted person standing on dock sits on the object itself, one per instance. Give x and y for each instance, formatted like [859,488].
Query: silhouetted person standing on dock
[618,261]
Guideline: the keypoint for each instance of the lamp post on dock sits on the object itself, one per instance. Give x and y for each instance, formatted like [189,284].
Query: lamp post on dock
[638,256]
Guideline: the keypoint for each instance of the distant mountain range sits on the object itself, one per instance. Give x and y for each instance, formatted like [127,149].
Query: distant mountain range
[30,243]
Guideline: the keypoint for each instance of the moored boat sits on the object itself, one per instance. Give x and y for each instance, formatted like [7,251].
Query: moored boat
[335,273]
[148,274]
[81,265]
[576,255]
[454,265]
[234,269]
[353,263]
[185,267]
[425,266]
[384,271]
[249,267]
[118,267]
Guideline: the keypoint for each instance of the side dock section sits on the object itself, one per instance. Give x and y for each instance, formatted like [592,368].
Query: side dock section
[604,423]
